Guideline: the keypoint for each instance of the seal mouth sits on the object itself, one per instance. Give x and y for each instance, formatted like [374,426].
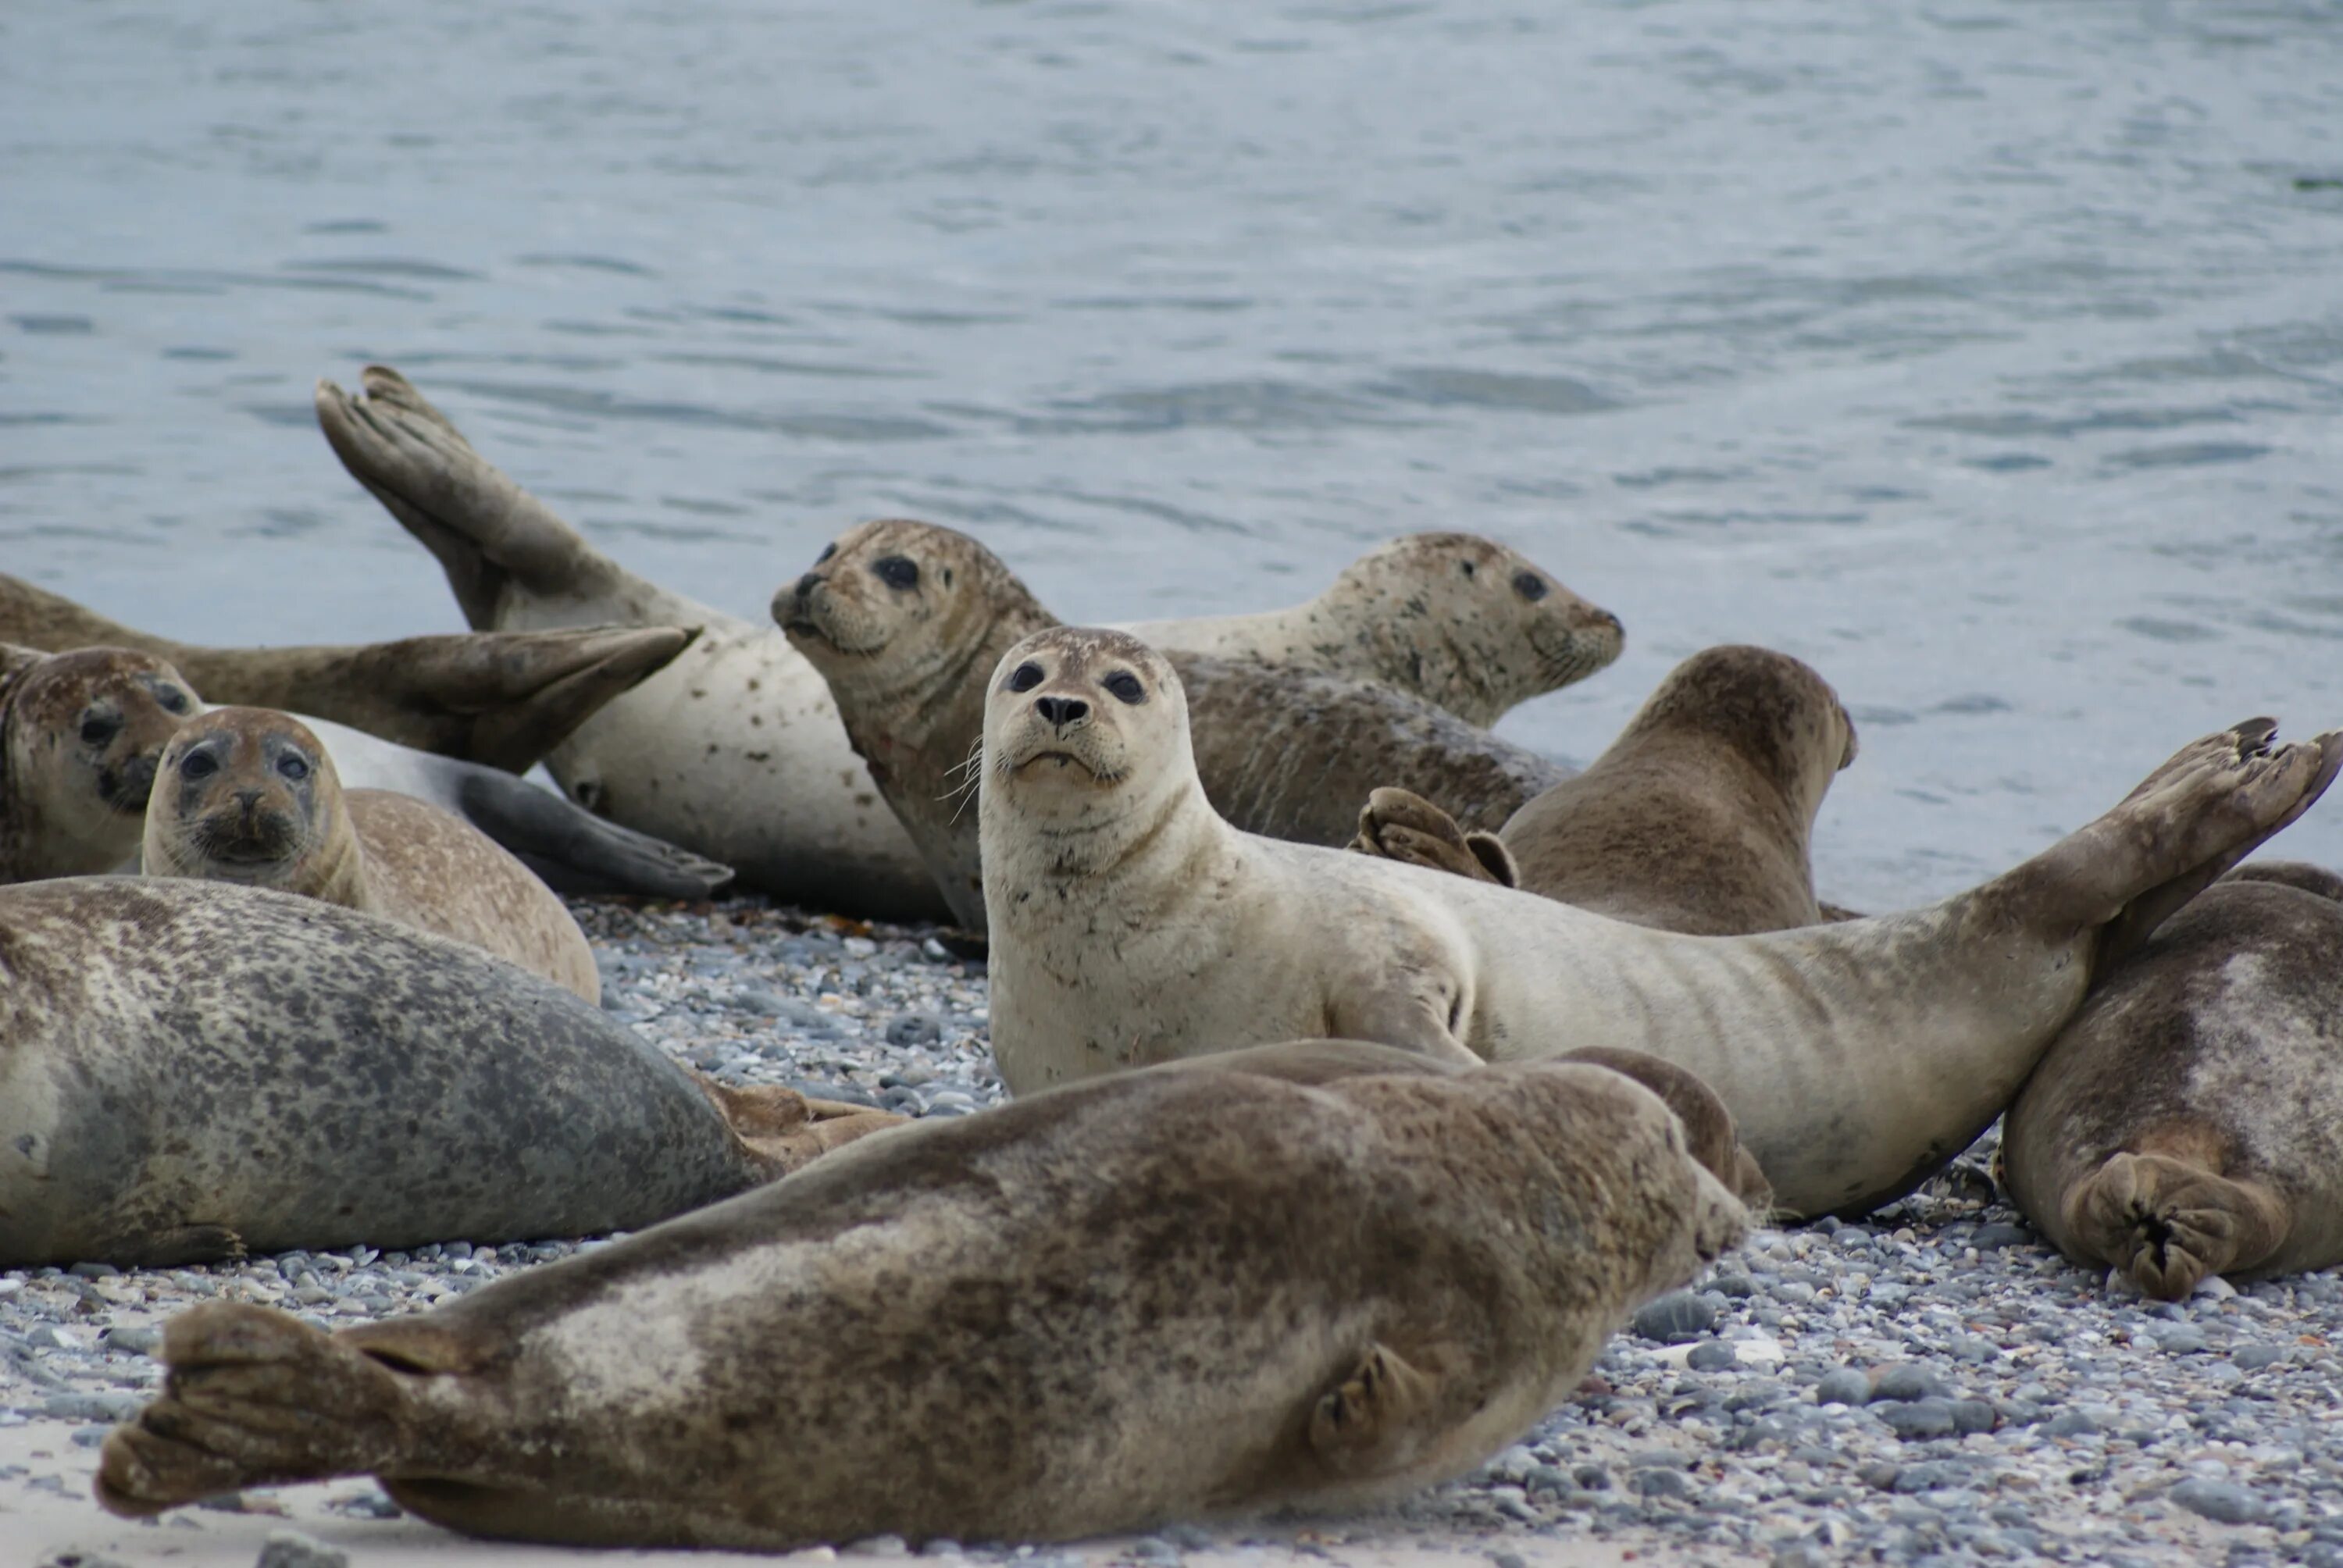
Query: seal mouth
[798,626]
[233,841]
[1021,768]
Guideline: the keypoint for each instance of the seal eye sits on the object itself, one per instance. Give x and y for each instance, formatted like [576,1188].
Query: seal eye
[175,701]
[293,767]
[1026,676]
[1530,586]
[197,765]
[1125,687]
[897,572]
[98,731]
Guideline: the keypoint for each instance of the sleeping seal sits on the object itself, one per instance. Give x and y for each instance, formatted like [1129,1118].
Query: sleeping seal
[903,618]
[155,1033]
[504,698]
[80,735]
[1699,819]
[1168,1295]
[248,795]
[1130,924]
[2189,1120]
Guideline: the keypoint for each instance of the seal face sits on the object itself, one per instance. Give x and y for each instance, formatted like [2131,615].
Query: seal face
[249,795]
[1462,621]
[80,735]
[903,618]
[1131,924]
[1698,819]
[2189,1120]
[1173,1294]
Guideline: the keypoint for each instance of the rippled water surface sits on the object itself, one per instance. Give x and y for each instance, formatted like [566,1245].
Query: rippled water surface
[1989,356]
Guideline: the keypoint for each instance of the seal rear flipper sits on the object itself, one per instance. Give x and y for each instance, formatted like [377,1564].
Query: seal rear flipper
[488,533]
[1400,825]
[575,851]
[1378,1420]
[253,1397]
[2169,1222]
[783,1129]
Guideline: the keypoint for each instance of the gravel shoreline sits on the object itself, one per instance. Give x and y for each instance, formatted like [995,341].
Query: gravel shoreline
[1934,1385]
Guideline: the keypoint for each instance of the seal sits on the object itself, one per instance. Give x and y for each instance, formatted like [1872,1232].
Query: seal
[154,1032]
[248,795]
[1130,924]
[571,849]
[503,699]
[903,619]
[733,751]
[80,735]
[1169,1295]
[1699,819]
[2189,1120]
[1461,621]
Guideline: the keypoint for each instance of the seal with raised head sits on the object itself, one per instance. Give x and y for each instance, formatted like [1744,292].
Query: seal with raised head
[1699,819]
[735,750]
[2189,1120]
[904,619]
[503,698]
[1172,1295]
[248,795]
[80,735]
[155,1034]
[1461,621]
[1130,924]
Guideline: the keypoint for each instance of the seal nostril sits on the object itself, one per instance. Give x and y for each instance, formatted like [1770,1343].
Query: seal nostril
[1061,710]
[806,583]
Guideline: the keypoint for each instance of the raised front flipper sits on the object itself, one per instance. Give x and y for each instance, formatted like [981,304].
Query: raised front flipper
[1400,825]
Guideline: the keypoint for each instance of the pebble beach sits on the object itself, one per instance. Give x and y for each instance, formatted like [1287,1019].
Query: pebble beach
[1934,1385]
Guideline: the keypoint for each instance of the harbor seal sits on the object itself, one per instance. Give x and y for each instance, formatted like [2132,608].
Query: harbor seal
[248,795]
[1130,924]
[1169,1295]
[503,698]
[571,849]
[155,1034]
[1699,819]
[903,618]
[1459,620]
[2189,1120]
[80,735]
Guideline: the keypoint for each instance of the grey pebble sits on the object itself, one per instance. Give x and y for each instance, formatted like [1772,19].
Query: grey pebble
[107,1407]
[291,1549]
[1992,1238]
[1907,1381]
[2181,1342]
[1652,1481]
[1712,1355]
[2070,1423]
[2219,1500]
[2253,1358]
[1920,1418]
[1675,1318]
[1845,1386]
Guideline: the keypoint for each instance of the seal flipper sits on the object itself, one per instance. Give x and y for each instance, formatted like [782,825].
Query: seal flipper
[576,851]
[783,1129]
[1401,825]
[2169,1222]
[1374,1422]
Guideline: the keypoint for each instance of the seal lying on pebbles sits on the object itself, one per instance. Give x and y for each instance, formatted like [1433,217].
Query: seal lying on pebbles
[571,849]
[903,618]
[1699,819]
[2189,1120]
[502,700]
[154,1034]
[1459,620]
[737,750]
[1129,925]
[1173,1294]
[248,795]
[80,734]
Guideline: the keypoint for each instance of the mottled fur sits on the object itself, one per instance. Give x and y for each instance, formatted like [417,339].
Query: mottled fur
[1175,1294]
[1131,924]
[501,699]
[1699,819]
[252,818]
[2189,1120]
[80,735]
[1283,752]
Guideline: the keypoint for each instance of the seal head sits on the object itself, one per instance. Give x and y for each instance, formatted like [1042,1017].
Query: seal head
[249,795]
[1062,737]
[81,734]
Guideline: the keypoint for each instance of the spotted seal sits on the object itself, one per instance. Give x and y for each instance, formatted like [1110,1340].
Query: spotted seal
[1173,1294]
[1130,924]
[501,699]
[903,618]
[80,735]
[249,795]
[155,1032]
[2189,1120]
[1699,819]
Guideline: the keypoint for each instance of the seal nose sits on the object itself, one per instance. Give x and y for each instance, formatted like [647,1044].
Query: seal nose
[1061,712]
[249,800]
[806,583]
